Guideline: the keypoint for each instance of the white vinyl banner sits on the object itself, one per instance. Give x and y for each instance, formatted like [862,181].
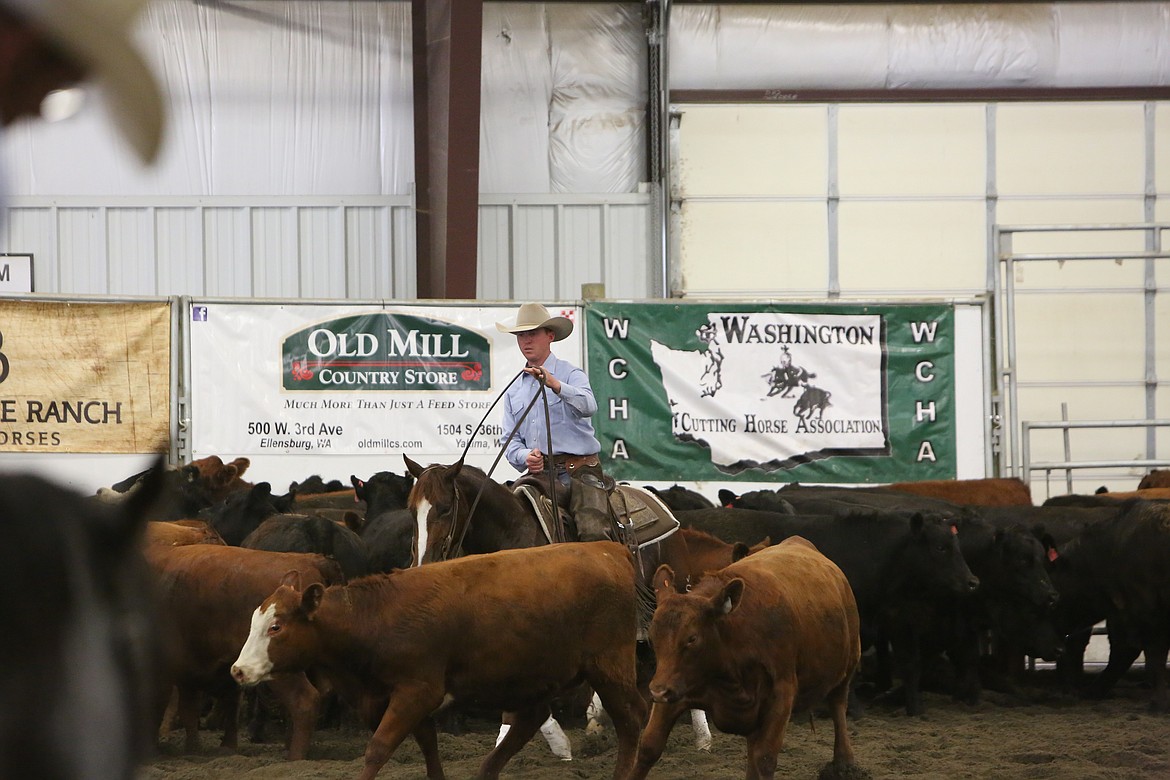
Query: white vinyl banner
[354,379]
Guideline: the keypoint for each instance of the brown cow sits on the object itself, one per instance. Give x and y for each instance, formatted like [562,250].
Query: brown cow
[172,533]
[773,633]
[707,552]
[993,491]
[509,630]
[219,478]
[208,593]
[1158,478]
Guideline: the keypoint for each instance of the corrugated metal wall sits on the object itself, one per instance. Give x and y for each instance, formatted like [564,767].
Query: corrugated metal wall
[531,246]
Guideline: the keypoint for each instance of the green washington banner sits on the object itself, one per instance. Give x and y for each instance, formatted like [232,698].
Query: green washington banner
[848,393]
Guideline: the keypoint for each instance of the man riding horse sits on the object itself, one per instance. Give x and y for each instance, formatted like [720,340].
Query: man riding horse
[574,452]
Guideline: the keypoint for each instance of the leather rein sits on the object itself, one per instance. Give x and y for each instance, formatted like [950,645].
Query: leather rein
[452,545]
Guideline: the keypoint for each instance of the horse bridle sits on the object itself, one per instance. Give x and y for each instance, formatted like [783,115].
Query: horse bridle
[453,544]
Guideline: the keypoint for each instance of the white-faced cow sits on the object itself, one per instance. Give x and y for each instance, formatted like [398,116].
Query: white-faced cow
[774,633]
[508,630]
[208,593]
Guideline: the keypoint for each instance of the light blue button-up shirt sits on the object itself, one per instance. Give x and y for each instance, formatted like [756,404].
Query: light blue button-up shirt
[570,414]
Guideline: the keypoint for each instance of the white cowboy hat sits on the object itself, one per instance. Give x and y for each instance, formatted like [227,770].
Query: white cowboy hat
[99,33]
[532,316]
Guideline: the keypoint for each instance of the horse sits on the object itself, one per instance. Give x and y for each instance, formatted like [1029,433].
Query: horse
[442,502]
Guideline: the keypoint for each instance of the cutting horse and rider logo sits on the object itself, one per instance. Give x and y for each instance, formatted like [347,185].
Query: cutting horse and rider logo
[782,379]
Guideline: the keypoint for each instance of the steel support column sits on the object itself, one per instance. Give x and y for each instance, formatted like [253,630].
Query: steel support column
[447,53]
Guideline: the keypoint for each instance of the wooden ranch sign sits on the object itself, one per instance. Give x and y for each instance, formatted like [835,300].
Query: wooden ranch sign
[84,378]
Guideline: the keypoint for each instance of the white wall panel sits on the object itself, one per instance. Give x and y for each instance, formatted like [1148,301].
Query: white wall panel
[179,232]
[34,231]
[132,251]
[1099,338]
[1070,148]
[81,248]
[752,150]
[227,246]
[275,259]
[934,245]
[494,268]
[626,267]
[581,251]
[754,247]
[912,150]
[535,246]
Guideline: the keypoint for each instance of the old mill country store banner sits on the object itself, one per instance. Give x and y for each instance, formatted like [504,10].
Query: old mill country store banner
[355,379]
[84,377]
[810,393]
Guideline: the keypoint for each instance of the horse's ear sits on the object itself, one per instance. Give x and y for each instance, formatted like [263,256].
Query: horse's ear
[411,466]
[454,469]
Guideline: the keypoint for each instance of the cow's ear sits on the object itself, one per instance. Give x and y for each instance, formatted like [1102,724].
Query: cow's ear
[354,522]
[726,497]
[663,581]
[729,597]
[311,598]
[241,465]
[739,551]
[415,469]
[291,579]
[917,522]
[225,475]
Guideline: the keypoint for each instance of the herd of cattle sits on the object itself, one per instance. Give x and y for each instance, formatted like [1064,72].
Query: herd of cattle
[271,591]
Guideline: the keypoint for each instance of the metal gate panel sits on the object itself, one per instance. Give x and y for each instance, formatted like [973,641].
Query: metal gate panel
[1078,365]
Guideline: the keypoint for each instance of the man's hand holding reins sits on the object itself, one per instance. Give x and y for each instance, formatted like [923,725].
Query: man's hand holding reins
[535,461]
[544,377]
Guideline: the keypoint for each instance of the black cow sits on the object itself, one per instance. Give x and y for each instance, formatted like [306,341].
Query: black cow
[389,528]
[1117,569]
[1011,608]
[389,539]
[312,534]
[82,664]
[242,512]
[679,498]
[382,492]
[315,484]
[1062,633]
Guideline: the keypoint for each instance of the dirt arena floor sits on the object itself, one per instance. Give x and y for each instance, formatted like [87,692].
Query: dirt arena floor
[1038,733]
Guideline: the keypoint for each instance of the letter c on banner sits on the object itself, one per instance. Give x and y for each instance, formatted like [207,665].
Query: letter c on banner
[922,372]
[615,371]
